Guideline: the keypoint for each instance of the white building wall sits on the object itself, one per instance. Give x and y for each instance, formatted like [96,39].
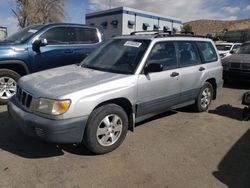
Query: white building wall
[125,27]
[123,15]
[109,30]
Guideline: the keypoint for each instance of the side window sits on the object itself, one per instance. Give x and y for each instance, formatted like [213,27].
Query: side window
[164,53]
[59,35]
[236,46]
[86,35]
[188,54]
[208,52]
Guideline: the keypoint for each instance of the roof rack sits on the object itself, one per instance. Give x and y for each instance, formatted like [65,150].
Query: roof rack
[160,34]
[149,32]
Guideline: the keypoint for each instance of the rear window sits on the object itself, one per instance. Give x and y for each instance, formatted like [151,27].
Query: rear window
[86,35]
[223,47]
[207,51]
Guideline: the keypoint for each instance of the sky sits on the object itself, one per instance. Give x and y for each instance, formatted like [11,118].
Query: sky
[186,10]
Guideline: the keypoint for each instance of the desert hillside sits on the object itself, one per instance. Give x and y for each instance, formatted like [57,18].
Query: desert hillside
[204,27]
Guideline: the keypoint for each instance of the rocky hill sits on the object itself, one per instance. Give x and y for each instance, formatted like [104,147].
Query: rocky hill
[204,27]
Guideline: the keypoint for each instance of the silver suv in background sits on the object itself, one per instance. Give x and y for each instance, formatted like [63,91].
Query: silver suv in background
[128,79]
[226,49]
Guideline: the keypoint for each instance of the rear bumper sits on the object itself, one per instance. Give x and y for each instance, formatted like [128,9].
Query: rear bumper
[56,131]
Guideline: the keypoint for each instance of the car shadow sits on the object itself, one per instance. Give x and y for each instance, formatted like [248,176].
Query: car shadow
[237,84]
[161,115]
[234,168]
[14,141]
[229,111]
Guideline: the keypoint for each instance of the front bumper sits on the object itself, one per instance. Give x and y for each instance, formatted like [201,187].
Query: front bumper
[56,131]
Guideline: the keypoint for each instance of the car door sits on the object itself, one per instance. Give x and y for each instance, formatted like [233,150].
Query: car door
[158,91]
[58,51]
[191,70]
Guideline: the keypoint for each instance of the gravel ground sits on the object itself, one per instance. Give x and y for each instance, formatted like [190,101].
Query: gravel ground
[176,149]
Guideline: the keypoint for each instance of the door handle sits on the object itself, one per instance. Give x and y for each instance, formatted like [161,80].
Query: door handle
[68,51]
[202,69]
[174,74]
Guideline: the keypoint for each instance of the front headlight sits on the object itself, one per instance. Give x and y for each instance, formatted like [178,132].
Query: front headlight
[52,107]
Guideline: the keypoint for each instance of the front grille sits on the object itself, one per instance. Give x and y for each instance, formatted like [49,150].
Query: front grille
[245,66]
[235,65]
[23,97]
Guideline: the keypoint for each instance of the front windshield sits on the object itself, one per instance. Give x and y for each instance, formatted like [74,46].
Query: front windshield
[24,34]
[117,55]
[223,47]
[244,49]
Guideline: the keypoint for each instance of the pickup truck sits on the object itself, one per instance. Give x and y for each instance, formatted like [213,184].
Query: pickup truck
[41,47]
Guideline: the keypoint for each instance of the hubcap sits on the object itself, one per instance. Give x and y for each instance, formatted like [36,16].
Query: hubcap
[109,130]
[7,87]
[206,98]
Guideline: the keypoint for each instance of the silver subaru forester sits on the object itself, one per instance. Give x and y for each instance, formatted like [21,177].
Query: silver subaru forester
[128,79]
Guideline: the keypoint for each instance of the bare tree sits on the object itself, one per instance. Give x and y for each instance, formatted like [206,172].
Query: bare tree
[30,12]
[187,28]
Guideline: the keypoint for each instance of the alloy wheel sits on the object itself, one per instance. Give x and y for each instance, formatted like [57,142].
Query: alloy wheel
[7,87]
[109,130]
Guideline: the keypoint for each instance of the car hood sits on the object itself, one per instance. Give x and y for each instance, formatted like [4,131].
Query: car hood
[237,58]
[58,82]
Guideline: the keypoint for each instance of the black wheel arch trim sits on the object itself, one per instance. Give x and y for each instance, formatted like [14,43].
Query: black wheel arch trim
[20,62]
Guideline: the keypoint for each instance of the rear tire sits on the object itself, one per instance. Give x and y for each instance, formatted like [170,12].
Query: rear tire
[204,98]
[8,83]
[106,129]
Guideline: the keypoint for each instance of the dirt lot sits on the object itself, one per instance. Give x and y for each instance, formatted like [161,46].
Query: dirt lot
[176,149]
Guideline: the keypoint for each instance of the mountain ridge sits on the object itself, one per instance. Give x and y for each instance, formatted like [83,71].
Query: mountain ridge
[217,27]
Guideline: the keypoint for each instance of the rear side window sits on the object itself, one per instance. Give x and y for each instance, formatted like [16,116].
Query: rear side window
[207,51]
[86,35]
[164,53]
[58,35]
[188,54]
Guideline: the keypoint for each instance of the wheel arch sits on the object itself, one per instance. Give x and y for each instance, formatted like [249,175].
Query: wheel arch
[212,81]
[126,105]
[15,65]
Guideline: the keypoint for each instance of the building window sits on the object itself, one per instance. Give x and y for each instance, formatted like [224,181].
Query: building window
[131,23]
[166,28]
[114,23]
[104,25]
[156,27]
[145,26]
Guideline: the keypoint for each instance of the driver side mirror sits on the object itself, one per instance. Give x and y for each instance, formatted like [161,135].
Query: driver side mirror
[232,52]
[153,67]
[38,43]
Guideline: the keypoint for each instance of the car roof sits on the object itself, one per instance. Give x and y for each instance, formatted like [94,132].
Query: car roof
[66,24]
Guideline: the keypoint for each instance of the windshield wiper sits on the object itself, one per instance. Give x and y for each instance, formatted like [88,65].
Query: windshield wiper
[92,67]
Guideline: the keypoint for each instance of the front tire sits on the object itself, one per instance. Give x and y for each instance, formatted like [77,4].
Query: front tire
[106,129]
[204,98]
[8,83]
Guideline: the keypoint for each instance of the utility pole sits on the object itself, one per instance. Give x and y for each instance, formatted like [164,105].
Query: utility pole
[110,4]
